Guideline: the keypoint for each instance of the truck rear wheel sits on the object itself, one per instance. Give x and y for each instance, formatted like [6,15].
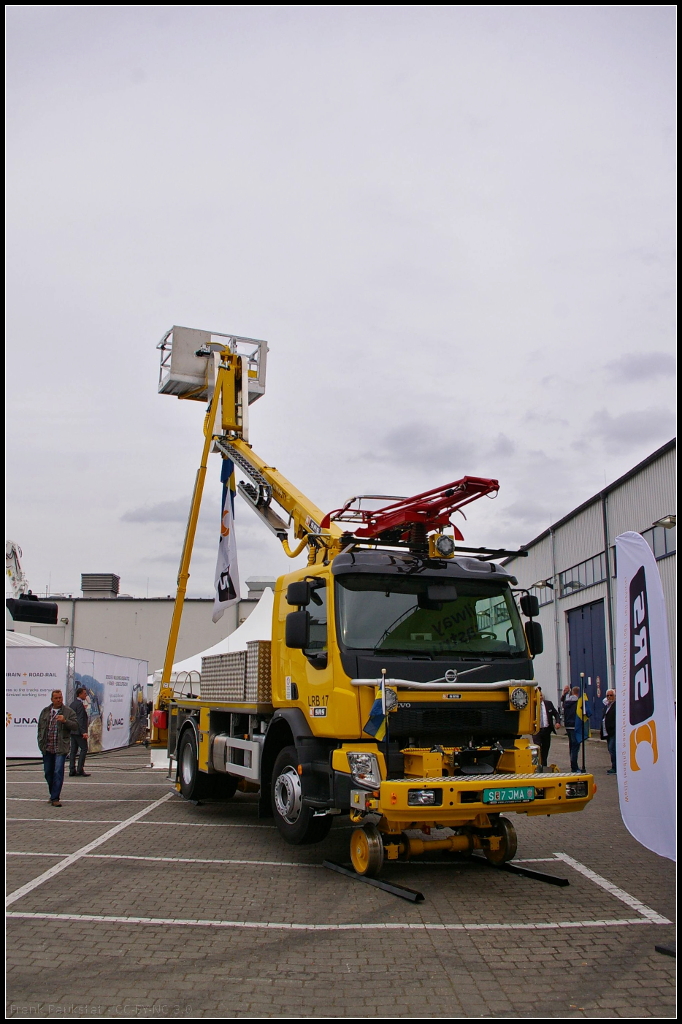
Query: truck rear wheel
[508,842]
[198,785]
[295,821]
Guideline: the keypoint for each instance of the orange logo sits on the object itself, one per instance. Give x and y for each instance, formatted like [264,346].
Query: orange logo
[224,528]
[643,734]
[8,718]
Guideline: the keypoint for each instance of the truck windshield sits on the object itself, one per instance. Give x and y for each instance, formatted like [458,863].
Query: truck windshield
[389,613]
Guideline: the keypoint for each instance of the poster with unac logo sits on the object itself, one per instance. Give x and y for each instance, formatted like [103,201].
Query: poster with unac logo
[31,674]
[113,686]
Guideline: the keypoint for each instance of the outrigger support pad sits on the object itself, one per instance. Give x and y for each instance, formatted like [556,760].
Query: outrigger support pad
[396,890]
[515,869]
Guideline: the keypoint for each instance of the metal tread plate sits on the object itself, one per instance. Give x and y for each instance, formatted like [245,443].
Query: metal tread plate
[539,778]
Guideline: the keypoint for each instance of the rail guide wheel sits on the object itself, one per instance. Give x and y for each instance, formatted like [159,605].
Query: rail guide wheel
[367,850]
[506,833]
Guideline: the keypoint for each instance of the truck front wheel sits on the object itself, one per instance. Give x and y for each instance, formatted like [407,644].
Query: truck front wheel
[295,821]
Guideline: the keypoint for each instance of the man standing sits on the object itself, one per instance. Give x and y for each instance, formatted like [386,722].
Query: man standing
[608,727]
[55,725]
[570,707]
[549,718]
[79,740]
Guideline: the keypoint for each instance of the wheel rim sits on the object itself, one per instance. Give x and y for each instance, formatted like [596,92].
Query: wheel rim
[367,850]
[187,764]
[288,795]
[507,847]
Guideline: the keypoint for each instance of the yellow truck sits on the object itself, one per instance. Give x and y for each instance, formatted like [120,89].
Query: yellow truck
[398,687]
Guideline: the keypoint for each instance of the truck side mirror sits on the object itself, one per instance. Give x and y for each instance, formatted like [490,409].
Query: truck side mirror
[530,606]
[534,638]
[298,594]
[297,628]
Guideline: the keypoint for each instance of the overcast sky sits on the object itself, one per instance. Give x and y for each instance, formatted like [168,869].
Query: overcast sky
[452,224]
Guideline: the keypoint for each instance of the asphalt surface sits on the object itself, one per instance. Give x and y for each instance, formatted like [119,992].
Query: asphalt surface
[204,911]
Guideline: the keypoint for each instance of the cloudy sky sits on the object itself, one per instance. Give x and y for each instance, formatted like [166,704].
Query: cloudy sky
[453,225]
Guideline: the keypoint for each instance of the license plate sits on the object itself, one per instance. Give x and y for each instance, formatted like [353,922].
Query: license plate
[515,795]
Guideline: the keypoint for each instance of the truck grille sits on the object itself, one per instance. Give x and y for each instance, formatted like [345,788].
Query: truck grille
[475,718]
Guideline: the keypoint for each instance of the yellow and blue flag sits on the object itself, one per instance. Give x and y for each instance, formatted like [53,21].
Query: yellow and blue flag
[582,719]
[386,700]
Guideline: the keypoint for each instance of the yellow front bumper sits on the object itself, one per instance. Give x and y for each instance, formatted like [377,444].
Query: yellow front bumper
[460,800]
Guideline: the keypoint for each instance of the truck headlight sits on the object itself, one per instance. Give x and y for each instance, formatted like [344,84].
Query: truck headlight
[534,754]
[424,797]
[518,698]
[575,789]
[365,769]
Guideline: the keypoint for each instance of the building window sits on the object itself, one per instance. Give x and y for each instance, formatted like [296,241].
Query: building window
[545,595]
[660,540]
[586,574]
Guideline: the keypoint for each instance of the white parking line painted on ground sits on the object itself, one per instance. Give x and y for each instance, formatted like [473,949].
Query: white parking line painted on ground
[164,922]
[24,853]
[57,868]
[77,800]
[112,821]
[71,821]
[172,860]
[620,894]
[147,785]
[268,863]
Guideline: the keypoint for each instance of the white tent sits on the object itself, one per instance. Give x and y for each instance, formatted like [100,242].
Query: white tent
[258,626]
[13,639]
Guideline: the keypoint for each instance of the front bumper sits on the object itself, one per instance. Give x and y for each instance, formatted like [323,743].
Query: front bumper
[461,799]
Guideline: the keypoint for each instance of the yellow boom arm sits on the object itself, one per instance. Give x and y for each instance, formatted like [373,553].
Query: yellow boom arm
[224,429]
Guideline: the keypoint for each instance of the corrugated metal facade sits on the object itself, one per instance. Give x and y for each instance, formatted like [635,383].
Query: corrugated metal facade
[634,502]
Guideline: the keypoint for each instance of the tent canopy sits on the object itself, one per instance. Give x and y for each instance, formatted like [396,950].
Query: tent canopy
[13,639]
[258,626]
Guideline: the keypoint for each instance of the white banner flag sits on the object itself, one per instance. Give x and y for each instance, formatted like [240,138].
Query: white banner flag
[226,572]
[645,708]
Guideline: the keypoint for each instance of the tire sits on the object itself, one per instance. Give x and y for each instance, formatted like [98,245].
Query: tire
[294,820]
[507,849]
[367,850]
[197,785]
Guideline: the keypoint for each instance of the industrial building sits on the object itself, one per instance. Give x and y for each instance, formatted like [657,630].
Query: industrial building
[571,568]
[104,620]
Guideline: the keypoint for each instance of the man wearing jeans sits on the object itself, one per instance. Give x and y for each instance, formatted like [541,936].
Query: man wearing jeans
[55,725]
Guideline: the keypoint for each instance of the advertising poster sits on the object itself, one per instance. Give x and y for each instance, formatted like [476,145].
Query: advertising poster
[32,673]
[116,708]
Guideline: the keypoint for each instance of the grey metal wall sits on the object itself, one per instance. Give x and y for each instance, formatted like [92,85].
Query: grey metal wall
[136,628]
[634,503]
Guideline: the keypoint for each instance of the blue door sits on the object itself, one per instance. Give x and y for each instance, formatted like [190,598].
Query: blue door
[587,654]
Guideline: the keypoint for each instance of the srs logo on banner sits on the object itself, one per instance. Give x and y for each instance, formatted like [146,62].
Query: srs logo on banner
[645,712]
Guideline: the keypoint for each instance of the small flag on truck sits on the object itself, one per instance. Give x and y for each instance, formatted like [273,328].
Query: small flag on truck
[227,570]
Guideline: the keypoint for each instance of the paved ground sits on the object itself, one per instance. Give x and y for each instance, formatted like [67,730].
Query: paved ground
[203,911]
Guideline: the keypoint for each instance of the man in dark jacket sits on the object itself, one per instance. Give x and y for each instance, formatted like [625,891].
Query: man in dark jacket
[608,727]
[79,740]
[549,718]
[55,725]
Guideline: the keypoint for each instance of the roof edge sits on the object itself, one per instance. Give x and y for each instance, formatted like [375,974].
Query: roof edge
[663,450]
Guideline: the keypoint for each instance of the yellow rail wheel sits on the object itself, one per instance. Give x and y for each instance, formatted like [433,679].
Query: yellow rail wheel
[367,850]
[506,848]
